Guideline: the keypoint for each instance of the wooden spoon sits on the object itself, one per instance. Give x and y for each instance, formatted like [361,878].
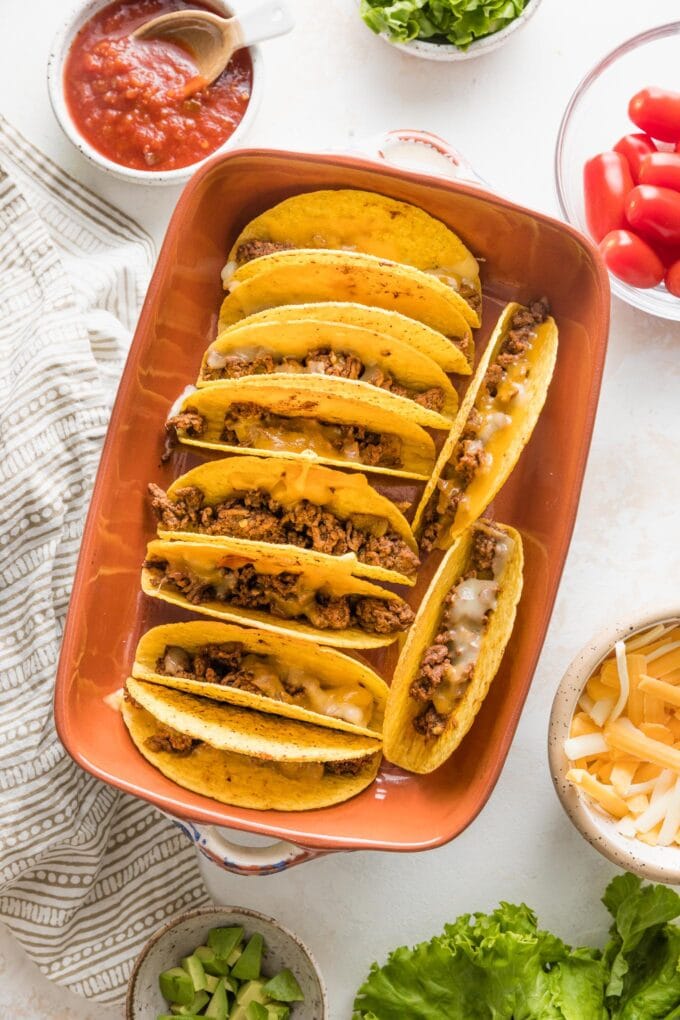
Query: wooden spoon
[212,40]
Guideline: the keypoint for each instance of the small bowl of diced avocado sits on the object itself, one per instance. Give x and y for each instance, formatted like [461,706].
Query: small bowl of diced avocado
[225,963]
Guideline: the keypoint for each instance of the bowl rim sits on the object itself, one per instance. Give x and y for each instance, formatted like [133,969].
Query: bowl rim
[450,51]
[187,915]
[75,18]
[631,295]
[596,827]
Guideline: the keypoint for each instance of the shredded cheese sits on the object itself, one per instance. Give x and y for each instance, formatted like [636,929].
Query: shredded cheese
[624,740]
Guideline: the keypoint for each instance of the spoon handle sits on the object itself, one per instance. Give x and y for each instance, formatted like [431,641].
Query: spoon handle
[265,21]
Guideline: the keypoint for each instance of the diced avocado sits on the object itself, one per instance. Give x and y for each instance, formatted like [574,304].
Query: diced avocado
[211,983]
[231,984]
[223,941]
[194,1007]
[277,1011]
[173,1016]
[176,986]
[234,956]
[196,971]
[251,991]
[239,1013]
[212,964]
[218,1007]
[284,987]
[256,1011]
[247,967]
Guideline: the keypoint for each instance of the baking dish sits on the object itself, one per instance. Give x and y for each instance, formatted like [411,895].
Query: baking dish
[526,254]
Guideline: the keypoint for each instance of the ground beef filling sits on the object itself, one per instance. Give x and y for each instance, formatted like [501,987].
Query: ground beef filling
[256,515]
[321,361]
[250,250]
[353,767]
[253,426]
[284,596]
[189,421]
[437,665]
[169,741]
[469,454]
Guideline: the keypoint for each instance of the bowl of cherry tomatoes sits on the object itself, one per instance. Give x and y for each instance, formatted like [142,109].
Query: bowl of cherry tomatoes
[617,167]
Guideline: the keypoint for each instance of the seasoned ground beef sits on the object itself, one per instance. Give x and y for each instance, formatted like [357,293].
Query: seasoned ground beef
[320,361]
[436,660]
[245,588]
[256,515]
[468,454]
[374,449]
[213,663]
[170,741]
[189,421]
[471,294]
[250,250]
[430,723]
[353,767]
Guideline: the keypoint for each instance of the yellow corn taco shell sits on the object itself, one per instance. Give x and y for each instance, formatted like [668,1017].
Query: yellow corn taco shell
[244,781]
[318,399]
[349,497]
[404,746]
[297,277]
[379,357]
[243,731]
[503,447]
[389,324]
[338,676]
[363,221]
[316,581]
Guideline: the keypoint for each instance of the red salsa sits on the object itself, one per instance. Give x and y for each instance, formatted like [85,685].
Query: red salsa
[129,98]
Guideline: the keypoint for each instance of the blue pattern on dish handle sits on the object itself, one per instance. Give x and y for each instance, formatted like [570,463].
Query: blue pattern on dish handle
[245,860]
[442,160]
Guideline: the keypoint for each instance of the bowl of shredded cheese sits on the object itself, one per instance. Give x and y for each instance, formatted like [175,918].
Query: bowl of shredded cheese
[614,745]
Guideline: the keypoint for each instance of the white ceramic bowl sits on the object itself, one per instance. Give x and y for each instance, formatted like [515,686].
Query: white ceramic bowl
[55,68]
[594,120]
[180,937]
[449,52]
[657,863]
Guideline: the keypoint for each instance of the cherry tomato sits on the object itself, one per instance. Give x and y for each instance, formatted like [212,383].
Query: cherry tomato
[661,168]
[667,253]
[657,112]
[634,147]
[672,279]
[655,213]
[631,259]
[606,182]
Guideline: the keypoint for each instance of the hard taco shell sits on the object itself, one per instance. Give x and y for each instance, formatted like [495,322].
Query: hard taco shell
[404,746]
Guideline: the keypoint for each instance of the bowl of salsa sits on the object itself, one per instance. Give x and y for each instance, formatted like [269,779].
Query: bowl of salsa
[131,106]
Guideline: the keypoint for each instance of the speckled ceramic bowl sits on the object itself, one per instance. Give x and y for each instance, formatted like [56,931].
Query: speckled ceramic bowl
[657,863]
[180,937]
[449,52]
[70,26]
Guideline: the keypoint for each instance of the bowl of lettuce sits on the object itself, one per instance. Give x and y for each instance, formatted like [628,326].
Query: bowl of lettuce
[447,29]
[501,966]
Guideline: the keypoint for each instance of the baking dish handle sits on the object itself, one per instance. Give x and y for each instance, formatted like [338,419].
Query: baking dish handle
[423,151]
[245,860]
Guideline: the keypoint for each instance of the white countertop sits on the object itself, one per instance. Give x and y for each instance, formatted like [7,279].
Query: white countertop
[330,82]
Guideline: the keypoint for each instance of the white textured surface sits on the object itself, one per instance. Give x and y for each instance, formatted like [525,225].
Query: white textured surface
[330,83]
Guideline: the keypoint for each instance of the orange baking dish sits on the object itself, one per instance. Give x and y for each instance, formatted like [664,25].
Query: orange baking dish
[525,255]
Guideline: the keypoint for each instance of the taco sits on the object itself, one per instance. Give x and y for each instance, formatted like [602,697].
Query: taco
[299,277]
[317,421]
[494,424]
[385,323]
[293,507]
[363,221]
[407,382]
[454,648]
[244,780]
[255,669]
[279,593]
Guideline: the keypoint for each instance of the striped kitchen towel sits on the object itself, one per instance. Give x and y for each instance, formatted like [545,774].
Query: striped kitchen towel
[86,873]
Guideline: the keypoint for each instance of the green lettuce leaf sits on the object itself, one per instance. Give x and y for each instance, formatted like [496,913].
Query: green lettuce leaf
[454,21]
[643,952]
[496,966]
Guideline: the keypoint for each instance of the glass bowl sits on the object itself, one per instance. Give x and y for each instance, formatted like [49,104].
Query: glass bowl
[596,117]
